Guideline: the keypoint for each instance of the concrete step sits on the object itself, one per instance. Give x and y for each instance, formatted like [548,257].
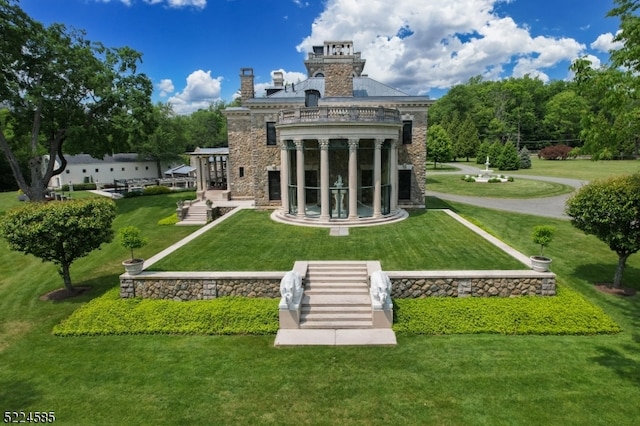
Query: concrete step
[332,324]
[335,291]
[335,316]
[335,309]
[336,300]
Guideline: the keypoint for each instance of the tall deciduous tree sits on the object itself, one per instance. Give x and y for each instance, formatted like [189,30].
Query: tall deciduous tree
[610,210]
[64,95]
[59,232]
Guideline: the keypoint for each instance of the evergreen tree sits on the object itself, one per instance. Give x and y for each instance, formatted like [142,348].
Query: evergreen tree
[438,145]
[525,158]
[509,158]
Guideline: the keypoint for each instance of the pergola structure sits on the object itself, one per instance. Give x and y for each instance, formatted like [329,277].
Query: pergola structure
[211,169]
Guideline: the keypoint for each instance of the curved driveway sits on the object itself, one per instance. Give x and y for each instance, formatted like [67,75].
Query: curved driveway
[547,207]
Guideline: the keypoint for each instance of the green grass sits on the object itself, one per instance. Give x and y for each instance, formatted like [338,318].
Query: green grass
[482,379]
[579,169]
[413,244]
[519,188]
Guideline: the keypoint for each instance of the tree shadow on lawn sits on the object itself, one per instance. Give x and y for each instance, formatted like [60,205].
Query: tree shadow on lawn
[624,358]
[87,290]
[17,394]
[602,273]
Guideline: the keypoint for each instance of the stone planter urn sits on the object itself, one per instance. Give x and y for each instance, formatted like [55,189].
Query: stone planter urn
[540,263]
[133,266]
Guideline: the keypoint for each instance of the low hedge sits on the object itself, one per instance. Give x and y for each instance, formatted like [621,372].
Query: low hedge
[79,187]
[567,313]
[109,314]
[169,220]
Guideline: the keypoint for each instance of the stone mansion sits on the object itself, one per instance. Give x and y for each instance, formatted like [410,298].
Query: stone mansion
[338,147]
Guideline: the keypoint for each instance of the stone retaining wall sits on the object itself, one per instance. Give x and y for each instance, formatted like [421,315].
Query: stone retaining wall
[419,284]
[184,286]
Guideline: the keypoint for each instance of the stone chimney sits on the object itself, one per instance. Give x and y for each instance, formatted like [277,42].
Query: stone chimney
[338,79]
[278,79]
[246,84]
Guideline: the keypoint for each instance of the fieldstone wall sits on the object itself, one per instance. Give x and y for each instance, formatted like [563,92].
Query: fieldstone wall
[420,284]
[183,286]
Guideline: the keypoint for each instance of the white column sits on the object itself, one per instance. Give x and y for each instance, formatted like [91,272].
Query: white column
[393,170]
[377,177]
[325,202]
[353,179]
[300,177]
[284,176]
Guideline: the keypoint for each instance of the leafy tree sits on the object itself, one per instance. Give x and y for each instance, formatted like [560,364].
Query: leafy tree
[207,128]
[614,105]
[508,158]
[610,210]
[564,114]
[629,55]
[64,95]
[59,232]
[167,141]
[438,145]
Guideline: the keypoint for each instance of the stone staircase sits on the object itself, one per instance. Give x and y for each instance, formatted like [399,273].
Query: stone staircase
[196,215]
[336,296]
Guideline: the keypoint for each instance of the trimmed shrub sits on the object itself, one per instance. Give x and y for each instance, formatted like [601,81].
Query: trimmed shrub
[78,187]
[525,158]
[555,152]
[156,190]
[169,220]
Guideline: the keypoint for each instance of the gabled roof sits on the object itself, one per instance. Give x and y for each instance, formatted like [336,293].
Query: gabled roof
[180,170]
[116,158]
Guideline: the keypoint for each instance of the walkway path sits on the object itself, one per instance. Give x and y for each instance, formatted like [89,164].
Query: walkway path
[547,207]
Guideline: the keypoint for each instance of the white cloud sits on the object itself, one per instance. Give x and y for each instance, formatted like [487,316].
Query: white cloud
[289,77]
[199,4]
[415,45]
[166,87]
[201,91]
[605,43]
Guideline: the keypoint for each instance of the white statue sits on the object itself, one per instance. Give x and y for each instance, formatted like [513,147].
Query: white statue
[380,290]
[338,183]
[290,289]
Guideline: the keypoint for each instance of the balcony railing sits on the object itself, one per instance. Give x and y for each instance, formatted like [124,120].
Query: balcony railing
[340,114]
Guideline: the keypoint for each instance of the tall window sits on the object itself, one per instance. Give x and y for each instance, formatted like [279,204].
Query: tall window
[407,132]
[311,98]
[274,185]
[271,133]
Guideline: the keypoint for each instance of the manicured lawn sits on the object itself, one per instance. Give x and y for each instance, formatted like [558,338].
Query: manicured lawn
[519,188]
[579,169]
[426,240]
[426,379]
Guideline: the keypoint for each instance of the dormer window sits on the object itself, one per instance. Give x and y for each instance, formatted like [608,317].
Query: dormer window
[311,98]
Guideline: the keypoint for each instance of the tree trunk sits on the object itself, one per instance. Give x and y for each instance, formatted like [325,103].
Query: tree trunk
[66,277]
[622,261]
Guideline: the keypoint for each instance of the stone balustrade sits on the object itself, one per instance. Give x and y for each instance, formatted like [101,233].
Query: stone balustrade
[340,114]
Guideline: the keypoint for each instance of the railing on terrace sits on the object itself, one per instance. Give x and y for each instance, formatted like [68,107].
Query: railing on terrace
[340,114]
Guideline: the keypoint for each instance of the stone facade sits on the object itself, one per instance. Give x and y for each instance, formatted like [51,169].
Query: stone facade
[335,83]
[184,286]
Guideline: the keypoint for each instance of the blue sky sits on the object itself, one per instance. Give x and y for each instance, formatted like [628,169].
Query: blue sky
[193,49]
